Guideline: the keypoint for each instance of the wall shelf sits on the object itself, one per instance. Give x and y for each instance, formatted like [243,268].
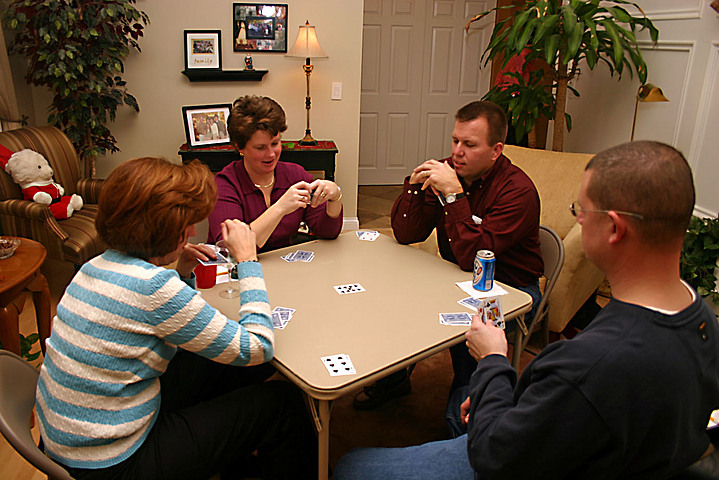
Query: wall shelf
[200,75]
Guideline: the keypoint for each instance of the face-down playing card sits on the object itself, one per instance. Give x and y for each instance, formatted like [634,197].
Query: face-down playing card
[339,364]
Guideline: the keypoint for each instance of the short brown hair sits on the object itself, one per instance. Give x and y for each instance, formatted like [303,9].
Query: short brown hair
[493,113]
[147,203]
[252,113]
[649,178]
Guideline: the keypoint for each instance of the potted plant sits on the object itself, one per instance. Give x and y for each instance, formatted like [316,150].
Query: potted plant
[76,48]
[563,36]
[699,258]
[26,346]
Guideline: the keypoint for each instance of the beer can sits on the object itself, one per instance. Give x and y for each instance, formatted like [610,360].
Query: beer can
[483,270]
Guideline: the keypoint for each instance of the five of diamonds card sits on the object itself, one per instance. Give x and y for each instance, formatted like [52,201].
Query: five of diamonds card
[367,235]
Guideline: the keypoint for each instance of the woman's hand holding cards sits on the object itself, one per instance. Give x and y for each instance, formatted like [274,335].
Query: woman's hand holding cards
[240,240]
[324,191]
[297,196]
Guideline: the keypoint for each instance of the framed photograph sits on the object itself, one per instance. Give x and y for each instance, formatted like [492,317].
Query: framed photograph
[206,124]
[259,27]
[203,49]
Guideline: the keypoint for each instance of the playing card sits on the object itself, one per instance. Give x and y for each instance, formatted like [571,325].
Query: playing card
[462,318]
[471,303]
[277,321]
[303,256]
[339,364]
[349,288]
[290,257]
[369,236]
[281,316]
[220,260]
[492,312]
[284,309]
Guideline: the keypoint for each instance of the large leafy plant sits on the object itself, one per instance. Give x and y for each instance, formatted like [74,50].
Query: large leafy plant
[699,256]
[76,48]
[563,37]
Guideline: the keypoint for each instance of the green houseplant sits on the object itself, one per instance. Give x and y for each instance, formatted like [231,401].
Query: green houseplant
[76,48]
[562,37]
[699,256]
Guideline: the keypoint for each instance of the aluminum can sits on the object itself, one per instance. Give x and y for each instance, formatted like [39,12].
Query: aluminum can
[483,270]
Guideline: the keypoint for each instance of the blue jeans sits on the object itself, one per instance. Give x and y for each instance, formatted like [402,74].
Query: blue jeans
[453,414]
[446,460]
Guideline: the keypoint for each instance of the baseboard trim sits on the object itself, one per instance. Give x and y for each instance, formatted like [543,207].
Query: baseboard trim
[351,223]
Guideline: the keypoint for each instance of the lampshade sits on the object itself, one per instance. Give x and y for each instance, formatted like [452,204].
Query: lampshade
[307,45]
[651,93]
[646,93]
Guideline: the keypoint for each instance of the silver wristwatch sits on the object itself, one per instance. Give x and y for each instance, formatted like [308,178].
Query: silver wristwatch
[453,197]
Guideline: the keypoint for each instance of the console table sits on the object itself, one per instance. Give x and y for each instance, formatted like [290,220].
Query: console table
[320,157]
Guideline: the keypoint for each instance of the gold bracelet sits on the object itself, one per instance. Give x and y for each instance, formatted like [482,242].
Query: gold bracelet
[340,197]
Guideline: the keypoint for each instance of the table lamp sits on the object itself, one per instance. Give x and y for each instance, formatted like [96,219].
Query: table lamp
[307,46]
[647,93]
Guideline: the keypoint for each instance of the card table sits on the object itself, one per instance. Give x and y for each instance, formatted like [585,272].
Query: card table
[390,325]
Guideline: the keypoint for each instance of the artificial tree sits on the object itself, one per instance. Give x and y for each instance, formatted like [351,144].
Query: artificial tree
[76,48]
[559,38]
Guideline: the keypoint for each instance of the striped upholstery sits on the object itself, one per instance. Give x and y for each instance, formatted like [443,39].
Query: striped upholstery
[75,239]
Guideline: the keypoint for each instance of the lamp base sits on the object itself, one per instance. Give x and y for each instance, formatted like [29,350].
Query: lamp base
[308,140]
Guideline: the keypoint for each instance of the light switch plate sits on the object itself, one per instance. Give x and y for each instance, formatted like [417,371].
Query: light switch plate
[336,90]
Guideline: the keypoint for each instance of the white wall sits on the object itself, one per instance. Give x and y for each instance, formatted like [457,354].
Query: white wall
[685,64]
[154,78]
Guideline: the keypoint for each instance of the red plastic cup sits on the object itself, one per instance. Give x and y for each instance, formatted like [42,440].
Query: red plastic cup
[206,275]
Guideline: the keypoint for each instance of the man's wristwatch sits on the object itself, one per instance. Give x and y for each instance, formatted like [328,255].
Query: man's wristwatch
[453,197]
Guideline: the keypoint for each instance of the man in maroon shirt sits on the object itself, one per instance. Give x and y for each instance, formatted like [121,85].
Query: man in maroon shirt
[477,200]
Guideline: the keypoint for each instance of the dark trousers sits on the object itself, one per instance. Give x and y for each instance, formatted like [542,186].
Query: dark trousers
[212,418]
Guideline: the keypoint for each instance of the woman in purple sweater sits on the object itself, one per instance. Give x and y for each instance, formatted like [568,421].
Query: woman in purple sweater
[273,197]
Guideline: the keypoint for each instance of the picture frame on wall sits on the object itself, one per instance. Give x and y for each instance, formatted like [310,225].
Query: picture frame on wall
[259,27]
[203,50]
[206,124]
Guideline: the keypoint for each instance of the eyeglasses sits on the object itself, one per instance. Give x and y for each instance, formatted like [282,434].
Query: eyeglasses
[574,208]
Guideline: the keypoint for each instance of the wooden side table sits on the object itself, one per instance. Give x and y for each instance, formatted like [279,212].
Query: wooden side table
[19,273]
[311,157]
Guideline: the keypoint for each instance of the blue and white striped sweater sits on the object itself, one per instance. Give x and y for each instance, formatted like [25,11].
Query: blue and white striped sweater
[117,327]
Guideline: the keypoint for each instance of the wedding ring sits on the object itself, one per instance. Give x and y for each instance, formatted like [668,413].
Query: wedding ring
[323,194]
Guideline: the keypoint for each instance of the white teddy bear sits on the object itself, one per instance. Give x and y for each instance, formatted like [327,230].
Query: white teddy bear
[31,171]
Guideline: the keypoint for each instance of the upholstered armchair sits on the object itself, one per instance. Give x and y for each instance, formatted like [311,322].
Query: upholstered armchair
[557,176]
[73,240]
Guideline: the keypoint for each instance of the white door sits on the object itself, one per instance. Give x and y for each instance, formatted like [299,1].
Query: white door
[418,68]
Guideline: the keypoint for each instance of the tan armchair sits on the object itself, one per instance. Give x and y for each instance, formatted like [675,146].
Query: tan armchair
[557,176]
[73,240]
